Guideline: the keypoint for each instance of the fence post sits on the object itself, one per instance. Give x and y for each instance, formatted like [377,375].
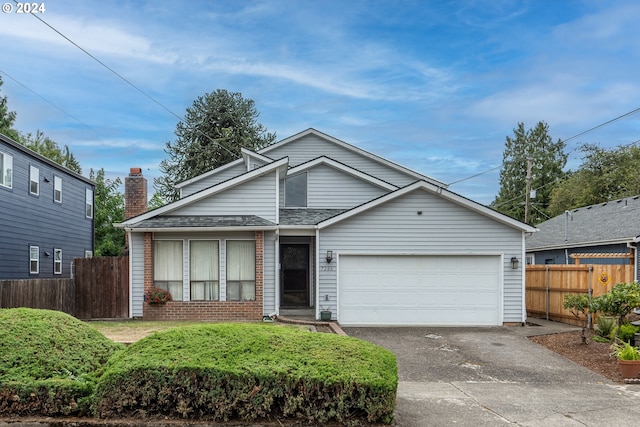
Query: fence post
[589,293]
[546,292]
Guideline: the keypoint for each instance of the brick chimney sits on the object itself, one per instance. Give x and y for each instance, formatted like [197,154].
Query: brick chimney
[135,193]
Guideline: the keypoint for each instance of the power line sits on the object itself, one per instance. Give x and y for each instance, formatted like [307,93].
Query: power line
[51,103]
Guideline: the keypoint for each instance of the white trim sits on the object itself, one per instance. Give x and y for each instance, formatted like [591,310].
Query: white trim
[37,260]
[282,163]
[200,229]
[444,193]
[342,167]
[130,241]
[354,149]
[248,154]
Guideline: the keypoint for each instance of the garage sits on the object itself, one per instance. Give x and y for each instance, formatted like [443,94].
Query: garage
[434,290]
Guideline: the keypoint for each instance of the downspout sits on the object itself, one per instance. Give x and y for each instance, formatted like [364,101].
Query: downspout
[317,268]
[130,242]
[278,271]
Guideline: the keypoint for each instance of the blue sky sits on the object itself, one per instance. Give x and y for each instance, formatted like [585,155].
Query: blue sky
[433,85]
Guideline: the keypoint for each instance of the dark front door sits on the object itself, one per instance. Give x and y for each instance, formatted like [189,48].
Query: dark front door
[294,279]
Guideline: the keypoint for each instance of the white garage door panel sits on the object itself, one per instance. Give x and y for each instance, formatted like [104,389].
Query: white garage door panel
[419,290]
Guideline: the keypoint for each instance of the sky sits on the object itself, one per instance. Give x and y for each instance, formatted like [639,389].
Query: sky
[433,85]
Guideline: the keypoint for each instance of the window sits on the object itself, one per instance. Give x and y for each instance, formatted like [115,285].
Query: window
[295,191]
[57,189]
[241,270]
[167,266]
[88,254]
[57,261]
[204,260]
[34,260]
[89,203]
[34,180]
[6,170]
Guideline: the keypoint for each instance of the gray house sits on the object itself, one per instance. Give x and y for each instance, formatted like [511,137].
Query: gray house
[604,233]
[46,215]
[313,223]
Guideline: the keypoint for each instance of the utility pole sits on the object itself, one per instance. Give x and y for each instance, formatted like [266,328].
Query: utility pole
[527,199]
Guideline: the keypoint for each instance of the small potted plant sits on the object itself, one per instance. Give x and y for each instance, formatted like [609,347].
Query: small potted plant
[325,314]
[628,358]
[157,296]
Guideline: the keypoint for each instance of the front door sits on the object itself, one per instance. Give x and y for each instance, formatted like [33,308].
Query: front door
[294,279]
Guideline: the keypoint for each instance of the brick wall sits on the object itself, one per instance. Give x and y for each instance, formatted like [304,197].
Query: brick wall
[206,310]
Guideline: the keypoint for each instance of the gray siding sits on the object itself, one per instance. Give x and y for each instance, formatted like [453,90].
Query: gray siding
[28,220]
[213,179]
[310,147]
[443,228]
[330,188]
[256,197]
[269,261]
[136,272]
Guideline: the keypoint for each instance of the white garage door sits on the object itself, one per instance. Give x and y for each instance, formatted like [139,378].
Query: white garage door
[419,290]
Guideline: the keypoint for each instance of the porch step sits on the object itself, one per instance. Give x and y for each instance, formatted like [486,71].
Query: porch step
[298,312]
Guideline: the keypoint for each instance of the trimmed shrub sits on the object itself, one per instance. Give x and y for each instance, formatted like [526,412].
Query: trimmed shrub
[46,361]
[627,333]
[249,372]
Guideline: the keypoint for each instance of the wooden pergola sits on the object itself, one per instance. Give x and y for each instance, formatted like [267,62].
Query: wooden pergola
[578,257]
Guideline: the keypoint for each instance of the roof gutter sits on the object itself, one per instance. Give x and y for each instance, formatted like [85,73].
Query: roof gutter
[582,244]
[199,229]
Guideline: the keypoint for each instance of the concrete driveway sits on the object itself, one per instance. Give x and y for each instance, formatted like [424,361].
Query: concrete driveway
[496,376]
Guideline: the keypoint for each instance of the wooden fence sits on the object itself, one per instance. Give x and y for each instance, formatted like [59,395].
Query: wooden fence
[546,286]
[52,294]
[99,290]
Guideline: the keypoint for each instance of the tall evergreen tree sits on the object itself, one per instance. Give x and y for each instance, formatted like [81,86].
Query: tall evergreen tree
[214,129]
[547,160]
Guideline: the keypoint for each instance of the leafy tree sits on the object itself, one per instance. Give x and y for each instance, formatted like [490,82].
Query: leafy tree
[215,127]
[605,174]
[619,301]
[547,162]
[48,148]
[7,118]
[109,209]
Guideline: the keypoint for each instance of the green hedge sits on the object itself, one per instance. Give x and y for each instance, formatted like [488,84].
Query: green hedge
[248,372]
[47,360]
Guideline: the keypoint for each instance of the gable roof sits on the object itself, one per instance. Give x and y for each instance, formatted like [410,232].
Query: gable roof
[245,177]
[612,222]
[352,148]
[323,160]
[441,192]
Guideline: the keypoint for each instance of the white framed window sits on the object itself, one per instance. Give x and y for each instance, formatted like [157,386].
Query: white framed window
[167,266]
[88,254]
[34,180]
[57,261]
[6,170]
[34,259]
[57,189]
[204,270]
[241,270]
[89,203]
[295,191]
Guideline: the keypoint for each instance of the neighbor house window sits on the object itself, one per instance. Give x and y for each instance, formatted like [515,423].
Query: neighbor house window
[295,191]
[57,189]
[241,270]
[88,254]
[167,266]
[57,261]
[34,259]
[34,180]
[6,170]
[89,203]
[204,271]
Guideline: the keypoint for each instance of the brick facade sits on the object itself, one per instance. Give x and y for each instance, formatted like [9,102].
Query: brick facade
[206,310]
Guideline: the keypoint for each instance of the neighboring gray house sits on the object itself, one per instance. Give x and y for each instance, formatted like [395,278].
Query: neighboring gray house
[46,215]
[314,223]
[605,228]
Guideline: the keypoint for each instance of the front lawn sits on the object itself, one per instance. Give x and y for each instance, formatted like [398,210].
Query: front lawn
[248,372]
[52,364]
